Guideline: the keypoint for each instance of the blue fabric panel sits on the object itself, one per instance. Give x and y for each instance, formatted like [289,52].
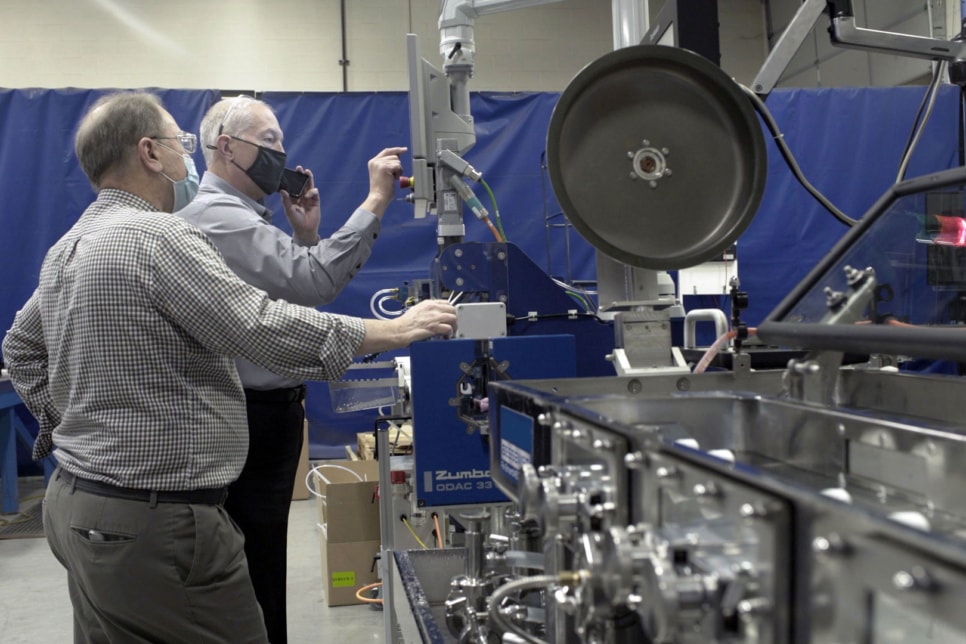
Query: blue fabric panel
[848,142]
[44,190]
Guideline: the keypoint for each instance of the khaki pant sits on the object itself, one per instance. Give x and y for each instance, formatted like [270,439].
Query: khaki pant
[170,573]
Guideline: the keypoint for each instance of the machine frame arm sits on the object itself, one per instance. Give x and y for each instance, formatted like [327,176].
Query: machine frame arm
[843,32]
[456,19]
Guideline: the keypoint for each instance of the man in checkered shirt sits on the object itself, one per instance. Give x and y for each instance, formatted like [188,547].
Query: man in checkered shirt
[124,354]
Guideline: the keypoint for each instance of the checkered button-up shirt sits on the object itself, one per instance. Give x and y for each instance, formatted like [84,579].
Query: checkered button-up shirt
[124,352]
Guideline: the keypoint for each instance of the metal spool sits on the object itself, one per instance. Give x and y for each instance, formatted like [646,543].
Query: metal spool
[656,157]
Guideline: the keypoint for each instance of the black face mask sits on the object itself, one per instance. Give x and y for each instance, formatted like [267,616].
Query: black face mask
[266,170]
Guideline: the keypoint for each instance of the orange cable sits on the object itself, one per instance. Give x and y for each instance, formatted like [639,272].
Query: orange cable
[496,233]
[439,535]
[369,600]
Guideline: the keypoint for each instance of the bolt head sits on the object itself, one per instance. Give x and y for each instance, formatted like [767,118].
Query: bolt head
[902,580]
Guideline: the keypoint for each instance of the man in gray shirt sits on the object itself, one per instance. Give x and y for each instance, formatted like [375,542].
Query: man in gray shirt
[124,355]
[242,143]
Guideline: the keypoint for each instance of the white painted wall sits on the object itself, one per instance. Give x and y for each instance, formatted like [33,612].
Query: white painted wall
[295,45]
[742,38]
[282,44]
[819,64]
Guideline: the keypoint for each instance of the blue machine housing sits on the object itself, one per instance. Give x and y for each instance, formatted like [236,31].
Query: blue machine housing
[550,334]
[452,457]
[535,304]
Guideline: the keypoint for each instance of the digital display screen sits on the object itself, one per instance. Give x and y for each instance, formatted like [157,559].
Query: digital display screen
[516,442]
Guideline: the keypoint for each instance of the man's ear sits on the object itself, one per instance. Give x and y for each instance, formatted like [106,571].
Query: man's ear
[223,145]
[147,152]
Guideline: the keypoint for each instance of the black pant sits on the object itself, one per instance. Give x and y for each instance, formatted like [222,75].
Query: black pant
[259,500]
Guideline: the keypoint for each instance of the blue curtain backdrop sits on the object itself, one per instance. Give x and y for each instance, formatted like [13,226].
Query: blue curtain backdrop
[848,142]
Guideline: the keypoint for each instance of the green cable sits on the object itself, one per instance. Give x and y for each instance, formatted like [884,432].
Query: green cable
[496,209]
[579,298]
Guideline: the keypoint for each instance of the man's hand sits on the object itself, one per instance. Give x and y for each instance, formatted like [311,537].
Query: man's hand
[304,213]
[427,319]
[384,170]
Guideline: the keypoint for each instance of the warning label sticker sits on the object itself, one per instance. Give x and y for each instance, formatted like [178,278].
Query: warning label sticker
[343,579]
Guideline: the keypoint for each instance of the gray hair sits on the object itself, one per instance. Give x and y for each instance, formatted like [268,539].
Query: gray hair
[108,133]
[228,116]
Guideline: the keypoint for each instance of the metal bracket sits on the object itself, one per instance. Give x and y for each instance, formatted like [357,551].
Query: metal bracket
[844,33]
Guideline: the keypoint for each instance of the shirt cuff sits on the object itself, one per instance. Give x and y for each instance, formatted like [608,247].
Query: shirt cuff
[356,328]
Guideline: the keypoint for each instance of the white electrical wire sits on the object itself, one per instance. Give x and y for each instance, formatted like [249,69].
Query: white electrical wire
[575,289]
[315,470]
[583,295]
[384,311]
[378,295]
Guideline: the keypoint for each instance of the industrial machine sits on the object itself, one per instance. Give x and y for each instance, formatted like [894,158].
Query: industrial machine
[640,501]
[818,503]
[828,512]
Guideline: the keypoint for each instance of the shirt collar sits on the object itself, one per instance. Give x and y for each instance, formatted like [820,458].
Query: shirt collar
[212,181]
[114,196]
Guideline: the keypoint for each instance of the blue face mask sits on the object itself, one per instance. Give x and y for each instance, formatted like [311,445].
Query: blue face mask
[185,189]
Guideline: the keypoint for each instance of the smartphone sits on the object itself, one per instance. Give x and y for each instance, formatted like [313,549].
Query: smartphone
[294,182]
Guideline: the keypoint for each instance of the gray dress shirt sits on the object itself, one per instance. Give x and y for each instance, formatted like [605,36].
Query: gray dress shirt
[267,257]
[124,352]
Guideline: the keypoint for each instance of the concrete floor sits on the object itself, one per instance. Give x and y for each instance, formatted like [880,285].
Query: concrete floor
[35,608]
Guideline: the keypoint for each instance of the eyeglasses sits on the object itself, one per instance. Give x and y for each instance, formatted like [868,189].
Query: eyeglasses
[187,140]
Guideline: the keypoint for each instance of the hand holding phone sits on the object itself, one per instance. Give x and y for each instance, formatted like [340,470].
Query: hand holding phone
[294,182]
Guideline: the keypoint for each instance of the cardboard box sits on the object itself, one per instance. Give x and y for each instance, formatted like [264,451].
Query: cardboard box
[347,567]
[349,514]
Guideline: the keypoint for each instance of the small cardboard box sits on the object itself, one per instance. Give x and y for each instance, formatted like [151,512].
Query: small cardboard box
[349,514]
[347,567]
